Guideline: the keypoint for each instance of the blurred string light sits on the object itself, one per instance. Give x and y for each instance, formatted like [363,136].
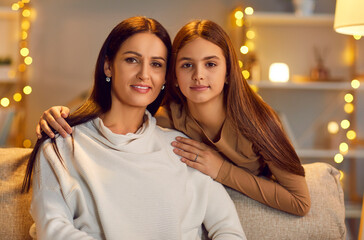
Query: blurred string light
[22,7]
[246,46]
[25,15]
[357,37]
[345,124]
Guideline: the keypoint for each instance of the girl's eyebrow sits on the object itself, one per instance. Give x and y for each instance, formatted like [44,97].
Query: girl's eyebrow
[139,55]
[205,58]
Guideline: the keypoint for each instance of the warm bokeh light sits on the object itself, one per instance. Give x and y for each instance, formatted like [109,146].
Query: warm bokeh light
[25,1]
[27,143]
[341,175]
[249,11]
[24,35]
[250,34]
[239,22]
[239,14]
[355,83]
[26,13]
[349,108]
[345,124]
[279,72]
[250,45]
[349,97]
[5,102]
[27,90]
[244,49]
[343,147]
[240,64]
[339,158]
[23,44]
[333,127]
[17,97]
[246,74]
[25,25]
[22,67]
[357,37]
[351,134]
[254,88]
[28,60]
[21,4]
[24,52]
[15,6]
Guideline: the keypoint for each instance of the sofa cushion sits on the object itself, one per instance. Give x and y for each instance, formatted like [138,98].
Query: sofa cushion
[15,219]
[325,220]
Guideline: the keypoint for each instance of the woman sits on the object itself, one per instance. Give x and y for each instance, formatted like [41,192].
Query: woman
[237,137]
[117,177]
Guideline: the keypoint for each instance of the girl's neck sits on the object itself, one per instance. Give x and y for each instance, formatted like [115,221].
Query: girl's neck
[210,116]
[123,120]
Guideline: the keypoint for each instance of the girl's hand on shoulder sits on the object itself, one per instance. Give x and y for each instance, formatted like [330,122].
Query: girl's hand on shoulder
[198,156]
[54,117]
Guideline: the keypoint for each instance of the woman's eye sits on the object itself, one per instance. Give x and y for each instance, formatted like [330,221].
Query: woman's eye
[157,64]
[210,64]
[131,60]
[186,65]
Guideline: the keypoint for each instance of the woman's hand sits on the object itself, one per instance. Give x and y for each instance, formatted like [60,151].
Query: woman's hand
[55,117]
[198,155]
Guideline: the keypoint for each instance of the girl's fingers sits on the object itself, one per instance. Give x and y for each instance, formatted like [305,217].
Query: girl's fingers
[38,131]
[44,125]
[187,155]
[191,142]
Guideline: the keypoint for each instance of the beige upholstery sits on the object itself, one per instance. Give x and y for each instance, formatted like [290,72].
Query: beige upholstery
[15,219]
[324,221]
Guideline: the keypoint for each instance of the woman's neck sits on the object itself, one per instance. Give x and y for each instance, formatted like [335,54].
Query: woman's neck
[123,120]
[210,116]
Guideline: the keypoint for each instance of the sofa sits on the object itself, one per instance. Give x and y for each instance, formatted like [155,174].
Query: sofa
[325,220]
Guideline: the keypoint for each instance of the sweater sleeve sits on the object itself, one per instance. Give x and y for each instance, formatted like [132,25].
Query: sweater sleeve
[221,219]
[52,217]
[288,193]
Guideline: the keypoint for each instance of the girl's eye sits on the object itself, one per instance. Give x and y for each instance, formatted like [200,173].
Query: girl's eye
[210,64]
[187,65]
[131,60]
[157,64]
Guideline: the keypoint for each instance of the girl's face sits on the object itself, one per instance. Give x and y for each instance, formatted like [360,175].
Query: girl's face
[201,71]
[138,71]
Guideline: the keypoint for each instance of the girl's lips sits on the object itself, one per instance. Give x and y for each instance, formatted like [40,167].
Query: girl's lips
[141,88]
[199,88]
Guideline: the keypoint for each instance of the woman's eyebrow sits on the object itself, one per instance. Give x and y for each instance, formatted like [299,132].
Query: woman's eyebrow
[140,55]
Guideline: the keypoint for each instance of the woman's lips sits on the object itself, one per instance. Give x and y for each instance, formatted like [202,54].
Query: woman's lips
[141,88]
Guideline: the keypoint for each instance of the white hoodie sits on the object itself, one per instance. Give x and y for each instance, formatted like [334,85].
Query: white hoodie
[128,187]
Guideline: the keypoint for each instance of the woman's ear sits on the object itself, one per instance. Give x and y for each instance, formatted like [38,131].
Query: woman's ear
[107,68]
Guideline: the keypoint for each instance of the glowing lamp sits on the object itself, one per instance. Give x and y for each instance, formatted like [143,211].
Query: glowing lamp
[349,17]
[278,72]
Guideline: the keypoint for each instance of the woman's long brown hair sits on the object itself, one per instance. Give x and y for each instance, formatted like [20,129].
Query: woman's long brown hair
[251,116]
[100,99]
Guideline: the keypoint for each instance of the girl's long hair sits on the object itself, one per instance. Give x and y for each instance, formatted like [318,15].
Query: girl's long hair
[100,99]
[250,115]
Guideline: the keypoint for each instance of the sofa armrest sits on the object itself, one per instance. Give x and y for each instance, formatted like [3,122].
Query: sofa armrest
[325,220]
[15,219]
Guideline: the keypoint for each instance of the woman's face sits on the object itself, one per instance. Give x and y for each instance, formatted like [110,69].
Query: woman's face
[138,71]
[201,71]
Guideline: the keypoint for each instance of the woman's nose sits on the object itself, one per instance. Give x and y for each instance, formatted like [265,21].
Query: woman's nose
[144,72]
